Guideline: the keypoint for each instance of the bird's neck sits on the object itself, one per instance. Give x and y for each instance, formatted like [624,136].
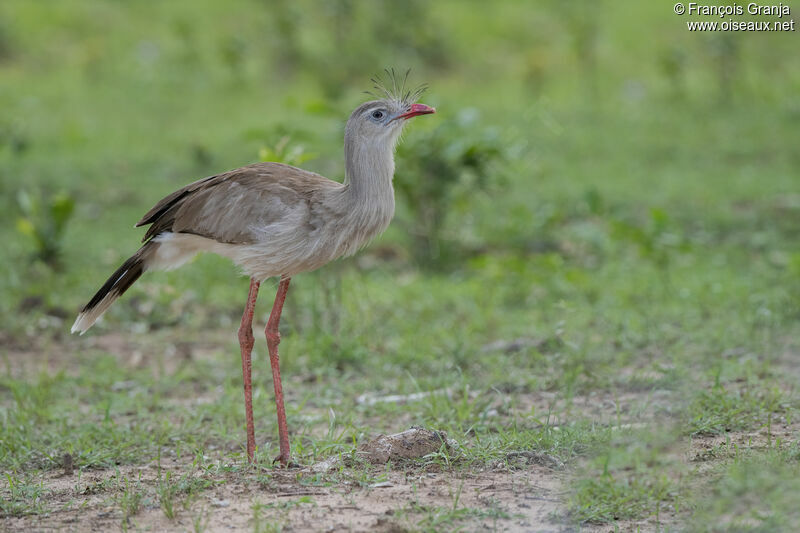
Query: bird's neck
[365,205]
[369,169]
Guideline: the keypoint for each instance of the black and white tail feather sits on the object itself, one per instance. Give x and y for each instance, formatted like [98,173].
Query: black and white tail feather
[116,285]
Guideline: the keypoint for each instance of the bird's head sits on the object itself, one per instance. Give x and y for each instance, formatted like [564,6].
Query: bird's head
[380,121]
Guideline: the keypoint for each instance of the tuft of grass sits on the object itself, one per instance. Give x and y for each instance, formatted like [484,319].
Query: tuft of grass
[273,517]
[200,520]
[166,492]
[187,487]
[635,477]
[609,498]
[755,491]
[25,496]
[129,499]
[722,409]
[432,518]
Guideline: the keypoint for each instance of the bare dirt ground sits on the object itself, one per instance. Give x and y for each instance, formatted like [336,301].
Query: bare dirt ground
[524,493]
[519,495]
[526,499]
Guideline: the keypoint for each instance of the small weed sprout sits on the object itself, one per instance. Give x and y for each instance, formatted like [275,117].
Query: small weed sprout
[166,495]
[25,497]
[129,500]
[43,222]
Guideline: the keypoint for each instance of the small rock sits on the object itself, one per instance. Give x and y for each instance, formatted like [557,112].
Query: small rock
[123,385]
[327,465]
[541,459]
[367,399]
[220,503]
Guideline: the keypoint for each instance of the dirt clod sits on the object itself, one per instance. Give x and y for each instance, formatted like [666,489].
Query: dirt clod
[68,464]
[410,444]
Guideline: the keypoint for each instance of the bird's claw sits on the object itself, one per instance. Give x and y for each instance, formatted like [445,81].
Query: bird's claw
[285,462]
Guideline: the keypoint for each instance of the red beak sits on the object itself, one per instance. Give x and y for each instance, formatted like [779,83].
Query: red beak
[415,110]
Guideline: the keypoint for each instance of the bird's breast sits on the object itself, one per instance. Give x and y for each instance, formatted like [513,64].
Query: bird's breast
[360,225]
[309,238]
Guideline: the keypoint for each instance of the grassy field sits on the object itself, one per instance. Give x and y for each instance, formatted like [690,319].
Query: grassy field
[591,284]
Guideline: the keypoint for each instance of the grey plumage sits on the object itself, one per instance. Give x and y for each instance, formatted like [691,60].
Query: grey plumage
[273,219]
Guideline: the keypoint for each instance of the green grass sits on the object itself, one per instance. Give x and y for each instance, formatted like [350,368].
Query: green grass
[129,500]
[434,518]
[637,475]
[718,411]
[619,282]
[24,496]
[751,492]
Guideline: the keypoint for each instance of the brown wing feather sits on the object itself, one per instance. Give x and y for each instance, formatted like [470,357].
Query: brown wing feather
[225,207]
[168,201]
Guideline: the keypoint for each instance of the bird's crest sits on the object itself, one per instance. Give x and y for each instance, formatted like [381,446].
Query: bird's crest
[392,85]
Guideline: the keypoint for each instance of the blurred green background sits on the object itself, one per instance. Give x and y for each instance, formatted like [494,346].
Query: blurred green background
[597,178]
[548,111]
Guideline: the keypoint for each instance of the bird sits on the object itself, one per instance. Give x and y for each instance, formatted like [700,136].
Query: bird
[275,220]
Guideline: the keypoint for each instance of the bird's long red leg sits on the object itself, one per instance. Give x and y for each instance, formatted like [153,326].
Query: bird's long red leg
[246,341]
[273,339]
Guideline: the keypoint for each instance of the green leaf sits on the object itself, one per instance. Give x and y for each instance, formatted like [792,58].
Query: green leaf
[61,209]
[26,227]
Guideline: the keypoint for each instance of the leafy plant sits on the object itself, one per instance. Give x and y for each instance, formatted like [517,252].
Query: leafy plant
[284,152]
[441,167]
[43,222]
[581,22]
[656,240]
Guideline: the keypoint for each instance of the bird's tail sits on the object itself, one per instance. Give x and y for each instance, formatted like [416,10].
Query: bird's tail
[114,287]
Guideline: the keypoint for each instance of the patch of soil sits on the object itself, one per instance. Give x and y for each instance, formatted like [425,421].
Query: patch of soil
[528,496]
[525,499]
[704,450]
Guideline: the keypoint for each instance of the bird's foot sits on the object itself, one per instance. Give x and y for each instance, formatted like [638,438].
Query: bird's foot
[285,462]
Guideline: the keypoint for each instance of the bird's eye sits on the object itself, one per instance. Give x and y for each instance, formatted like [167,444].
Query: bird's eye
[377,114]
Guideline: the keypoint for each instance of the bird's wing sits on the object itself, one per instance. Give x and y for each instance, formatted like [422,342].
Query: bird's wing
[229,207]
